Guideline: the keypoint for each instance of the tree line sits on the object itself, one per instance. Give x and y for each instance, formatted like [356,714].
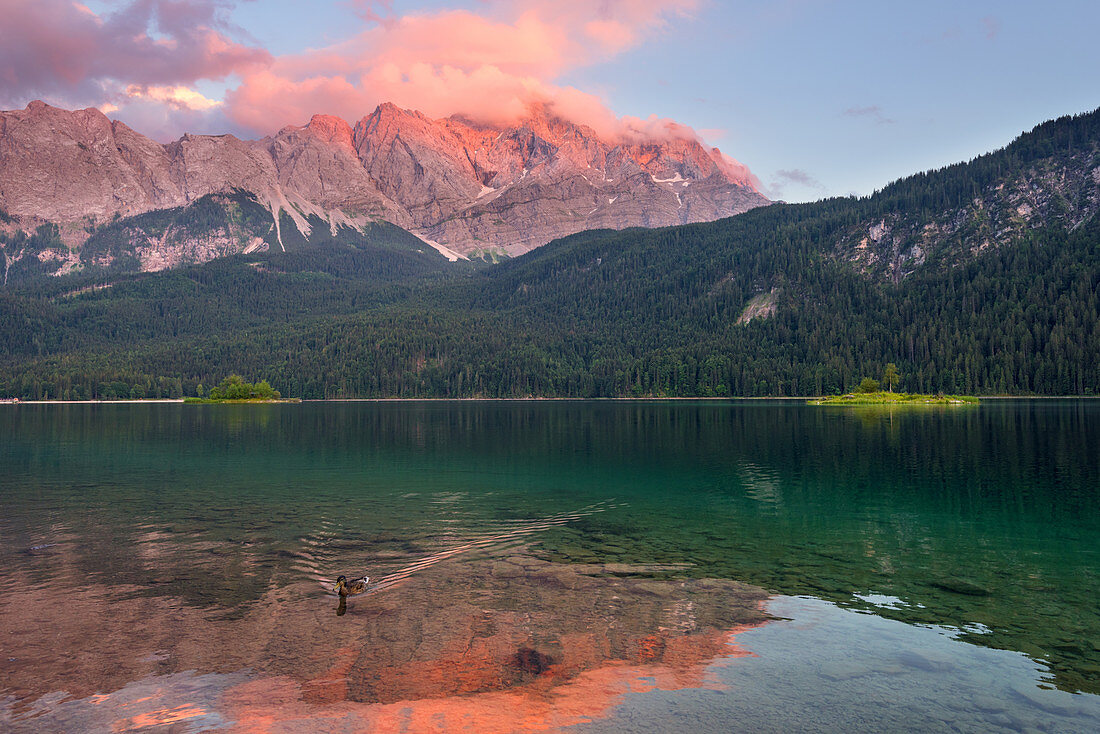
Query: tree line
[598,314]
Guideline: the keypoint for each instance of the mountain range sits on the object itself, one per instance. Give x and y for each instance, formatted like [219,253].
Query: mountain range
[982,277]
[462,187]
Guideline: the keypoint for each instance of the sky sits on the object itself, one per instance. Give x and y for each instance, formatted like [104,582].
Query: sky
[817,98]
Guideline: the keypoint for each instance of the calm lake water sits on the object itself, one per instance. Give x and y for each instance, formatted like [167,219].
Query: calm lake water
[546,566]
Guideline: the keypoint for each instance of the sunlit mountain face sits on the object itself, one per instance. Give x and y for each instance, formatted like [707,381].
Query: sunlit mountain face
[462,187]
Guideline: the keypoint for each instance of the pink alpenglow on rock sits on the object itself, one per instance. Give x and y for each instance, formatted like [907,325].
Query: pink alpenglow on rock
[465,185]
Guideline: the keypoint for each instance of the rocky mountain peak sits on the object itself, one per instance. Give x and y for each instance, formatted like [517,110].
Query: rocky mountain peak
[332,130]
[391,118]
[460,184]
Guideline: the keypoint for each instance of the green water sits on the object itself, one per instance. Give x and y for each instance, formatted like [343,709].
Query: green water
[979,523]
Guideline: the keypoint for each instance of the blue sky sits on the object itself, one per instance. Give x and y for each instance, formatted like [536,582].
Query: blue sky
[815,97]
[936,82]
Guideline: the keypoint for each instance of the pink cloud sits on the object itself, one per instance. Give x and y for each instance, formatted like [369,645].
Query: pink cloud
[492,66]
[992,26]
[61,50]
[374,11]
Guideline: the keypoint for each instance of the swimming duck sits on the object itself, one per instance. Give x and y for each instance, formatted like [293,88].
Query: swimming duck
[350,588]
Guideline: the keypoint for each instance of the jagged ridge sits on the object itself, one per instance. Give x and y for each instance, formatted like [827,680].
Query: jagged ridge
[462,186]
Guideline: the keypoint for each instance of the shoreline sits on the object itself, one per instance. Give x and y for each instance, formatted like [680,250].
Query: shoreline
[181,401]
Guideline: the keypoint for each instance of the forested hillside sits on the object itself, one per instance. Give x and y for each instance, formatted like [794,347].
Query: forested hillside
[980,278]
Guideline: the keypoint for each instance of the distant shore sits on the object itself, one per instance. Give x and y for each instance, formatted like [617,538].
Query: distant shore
[91,402]
[798,398]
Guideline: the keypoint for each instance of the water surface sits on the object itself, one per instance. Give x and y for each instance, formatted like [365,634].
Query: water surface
[546,566]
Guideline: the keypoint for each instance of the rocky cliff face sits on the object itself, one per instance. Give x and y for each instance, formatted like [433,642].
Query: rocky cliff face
[464,187]
[67,166]
[1061,191]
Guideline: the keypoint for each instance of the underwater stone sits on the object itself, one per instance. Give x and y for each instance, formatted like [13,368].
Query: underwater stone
[1055,702]
[958,585]
[925,660]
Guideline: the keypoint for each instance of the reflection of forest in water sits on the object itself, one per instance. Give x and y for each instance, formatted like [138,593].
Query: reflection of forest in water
[983,520]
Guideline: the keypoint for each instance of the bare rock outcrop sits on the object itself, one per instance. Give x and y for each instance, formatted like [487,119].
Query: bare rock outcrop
[469,186]
[1062,190]
[65,166]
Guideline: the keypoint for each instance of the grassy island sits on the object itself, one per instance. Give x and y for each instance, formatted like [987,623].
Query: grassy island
[234,389]
[211,401]
[870,392]
[894,398]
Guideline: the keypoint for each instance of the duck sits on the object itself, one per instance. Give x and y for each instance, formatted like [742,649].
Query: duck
[350,588]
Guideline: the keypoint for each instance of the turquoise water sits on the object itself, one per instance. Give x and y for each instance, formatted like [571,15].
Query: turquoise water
[613,563]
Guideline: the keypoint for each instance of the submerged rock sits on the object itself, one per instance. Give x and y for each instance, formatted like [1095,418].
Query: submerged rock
[958,585]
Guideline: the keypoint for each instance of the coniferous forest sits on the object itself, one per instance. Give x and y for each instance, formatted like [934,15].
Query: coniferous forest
[997,305]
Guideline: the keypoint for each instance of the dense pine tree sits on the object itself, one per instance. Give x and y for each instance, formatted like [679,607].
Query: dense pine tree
[632,313]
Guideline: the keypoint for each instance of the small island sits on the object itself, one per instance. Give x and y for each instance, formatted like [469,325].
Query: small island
[234,389]
[870,392]
[894,398]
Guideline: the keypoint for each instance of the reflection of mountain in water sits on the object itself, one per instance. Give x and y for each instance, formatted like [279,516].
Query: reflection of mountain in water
[520,622]
[981,521]
[483,642]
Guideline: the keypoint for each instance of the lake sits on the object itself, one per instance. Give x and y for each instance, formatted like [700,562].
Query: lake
[548,566]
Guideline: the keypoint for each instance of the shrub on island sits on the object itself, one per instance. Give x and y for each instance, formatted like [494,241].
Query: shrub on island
[235,388]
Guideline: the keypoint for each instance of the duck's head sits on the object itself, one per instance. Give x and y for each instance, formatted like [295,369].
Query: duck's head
[341,582]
